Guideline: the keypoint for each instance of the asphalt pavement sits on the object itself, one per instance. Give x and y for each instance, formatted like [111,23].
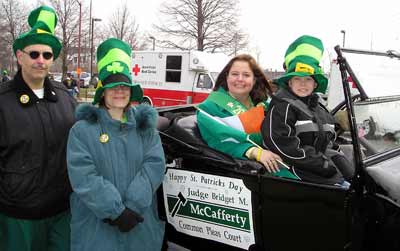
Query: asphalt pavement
[174,247]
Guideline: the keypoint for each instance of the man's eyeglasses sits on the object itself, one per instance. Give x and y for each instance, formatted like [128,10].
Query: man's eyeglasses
[35,54]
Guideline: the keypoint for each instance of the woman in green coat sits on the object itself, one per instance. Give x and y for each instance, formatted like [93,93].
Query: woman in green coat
[230,118]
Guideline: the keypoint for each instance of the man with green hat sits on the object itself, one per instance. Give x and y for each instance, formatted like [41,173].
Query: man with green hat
[115,162]
[297,126]
[35,117]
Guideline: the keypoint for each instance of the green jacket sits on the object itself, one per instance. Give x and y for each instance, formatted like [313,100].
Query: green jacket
[223,128]
[222,137]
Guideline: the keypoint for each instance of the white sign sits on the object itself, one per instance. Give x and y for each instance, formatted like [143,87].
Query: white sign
[209,206]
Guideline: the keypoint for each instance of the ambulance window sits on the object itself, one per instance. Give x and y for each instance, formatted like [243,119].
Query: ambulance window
[174,67]
[204,81]
[174,62]
[173,76]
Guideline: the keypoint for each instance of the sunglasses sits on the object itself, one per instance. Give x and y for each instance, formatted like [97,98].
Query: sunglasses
[35,54]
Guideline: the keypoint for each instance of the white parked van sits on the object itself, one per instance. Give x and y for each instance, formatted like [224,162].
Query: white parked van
[176,77]
[84,79]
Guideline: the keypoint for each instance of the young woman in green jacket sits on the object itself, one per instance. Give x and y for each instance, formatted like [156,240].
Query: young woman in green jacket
[230,118]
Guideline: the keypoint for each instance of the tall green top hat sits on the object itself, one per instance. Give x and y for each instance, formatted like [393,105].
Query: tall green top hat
[114,64]
[43,21]
[302,59]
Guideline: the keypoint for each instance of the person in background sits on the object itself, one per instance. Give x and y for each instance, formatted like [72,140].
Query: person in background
[230,118]
[70,83]
[115,162]
[389,140]
[36,115]
[94,80]
[389,137]
[274,86]
[297,126]
[4,76]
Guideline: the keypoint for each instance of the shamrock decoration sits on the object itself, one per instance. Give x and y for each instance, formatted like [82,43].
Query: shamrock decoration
[115,67]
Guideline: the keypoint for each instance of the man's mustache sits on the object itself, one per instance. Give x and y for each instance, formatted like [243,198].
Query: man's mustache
[40,66]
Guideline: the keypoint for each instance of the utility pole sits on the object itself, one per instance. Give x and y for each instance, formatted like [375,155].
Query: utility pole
[78,70]
[154,42]
[91,46]
[89,40]
[344,36]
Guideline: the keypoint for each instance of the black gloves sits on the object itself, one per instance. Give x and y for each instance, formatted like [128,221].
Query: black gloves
[328,169]
[344,166]
[126,221]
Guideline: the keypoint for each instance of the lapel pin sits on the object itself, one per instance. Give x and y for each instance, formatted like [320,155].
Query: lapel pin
[104,138]
[24,99]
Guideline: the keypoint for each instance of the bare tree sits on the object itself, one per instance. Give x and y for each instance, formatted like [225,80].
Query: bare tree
[238,42]
[205,25]
[13,23]
[68,23]
[122,25]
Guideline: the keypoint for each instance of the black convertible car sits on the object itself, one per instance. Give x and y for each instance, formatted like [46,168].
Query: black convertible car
[214,202]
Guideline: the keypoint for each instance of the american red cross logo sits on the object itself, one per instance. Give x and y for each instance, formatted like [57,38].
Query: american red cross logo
[351,82]
[136,69]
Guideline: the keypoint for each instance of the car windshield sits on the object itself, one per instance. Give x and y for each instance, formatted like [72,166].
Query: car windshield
[378,73]
[378,124]
[377,117]
[214,75]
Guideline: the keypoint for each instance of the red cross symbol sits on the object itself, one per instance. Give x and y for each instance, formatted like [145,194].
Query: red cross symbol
[136,69]
[350,80]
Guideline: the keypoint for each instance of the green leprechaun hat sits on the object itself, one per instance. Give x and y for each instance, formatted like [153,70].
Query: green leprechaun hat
[113,64]
[42,21]
[302,59]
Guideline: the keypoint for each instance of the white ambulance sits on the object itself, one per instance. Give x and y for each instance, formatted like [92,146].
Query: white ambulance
[176,77]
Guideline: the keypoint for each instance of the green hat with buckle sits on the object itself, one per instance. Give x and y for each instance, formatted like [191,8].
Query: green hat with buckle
[42,21]
[302,59]
[114,64]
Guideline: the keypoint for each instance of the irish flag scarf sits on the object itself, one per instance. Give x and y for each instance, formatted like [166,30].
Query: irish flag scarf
[243,119]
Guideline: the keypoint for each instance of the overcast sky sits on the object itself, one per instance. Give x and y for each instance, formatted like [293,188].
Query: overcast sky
[273,24]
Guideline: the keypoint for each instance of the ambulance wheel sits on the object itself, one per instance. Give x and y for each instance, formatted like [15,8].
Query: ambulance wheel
[146,101]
